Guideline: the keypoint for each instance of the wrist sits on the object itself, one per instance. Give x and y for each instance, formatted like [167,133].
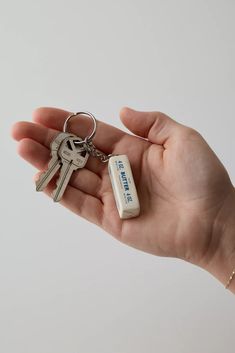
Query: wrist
[221,262]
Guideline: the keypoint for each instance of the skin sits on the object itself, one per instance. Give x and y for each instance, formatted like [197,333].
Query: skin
[185,193]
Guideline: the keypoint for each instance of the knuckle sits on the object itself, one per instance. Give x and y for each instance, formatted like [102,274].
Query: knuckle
[158,123]
[190,132]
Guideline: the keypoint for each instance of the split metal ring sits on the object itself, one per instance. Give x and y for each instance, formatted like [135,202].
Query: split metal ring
[89,115]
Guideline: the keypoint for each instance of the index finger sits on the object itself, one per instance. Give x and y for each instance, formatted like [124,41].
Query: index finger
[106,136]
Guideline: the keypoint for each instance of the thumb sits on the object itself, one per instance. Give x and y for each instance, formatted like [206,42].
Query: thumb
[155,126]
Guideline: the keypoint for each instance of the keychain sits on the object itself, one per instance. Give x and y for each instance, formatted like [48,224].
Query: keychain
[69,153]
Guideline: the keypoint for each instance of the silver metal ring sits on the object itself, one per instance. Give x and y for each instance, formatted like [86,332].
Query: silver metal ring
[89,115]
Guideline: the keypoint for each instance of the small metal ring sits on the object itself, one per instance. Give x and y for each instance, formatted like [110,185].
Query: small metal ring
[91,116]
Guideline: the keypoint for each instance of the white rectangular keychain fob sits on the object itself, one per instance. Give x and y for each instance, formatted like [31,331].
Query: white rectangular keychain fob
[123,185]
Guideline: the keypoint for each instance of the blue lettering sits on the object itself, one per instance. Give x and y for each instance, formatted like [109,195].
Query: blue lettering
[124,180]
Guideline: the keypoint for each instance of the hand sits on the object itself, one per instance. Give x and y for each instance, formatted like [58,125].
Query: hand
[182,186]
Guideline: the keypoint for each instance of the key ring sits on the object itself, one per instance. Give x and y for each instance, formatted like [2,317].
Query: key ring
[89,115]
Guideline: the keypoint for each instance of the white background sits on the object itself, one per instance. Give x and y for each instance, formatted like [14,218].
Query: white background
[65,285]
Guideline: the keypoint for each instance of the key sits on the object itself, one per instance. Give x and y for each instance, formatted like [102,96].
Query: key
[54,163]
[73,157]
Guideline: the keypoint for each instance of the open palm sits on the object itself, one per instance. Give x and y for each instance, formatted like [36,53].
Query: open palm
[180,182]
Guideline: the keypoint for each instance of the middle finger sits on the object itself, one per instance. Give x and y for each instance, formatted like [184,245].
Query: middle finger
[45,136]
